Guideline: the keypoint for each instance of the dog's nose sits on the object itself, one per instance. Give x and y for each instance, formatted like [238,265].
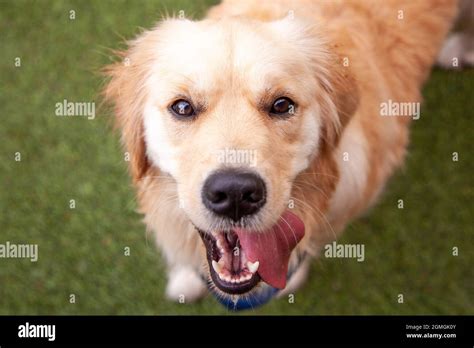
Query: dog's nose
[233,194]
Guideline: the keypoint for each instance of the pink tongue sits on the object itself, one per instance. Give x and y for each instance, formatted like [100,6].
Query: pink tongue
[272,248]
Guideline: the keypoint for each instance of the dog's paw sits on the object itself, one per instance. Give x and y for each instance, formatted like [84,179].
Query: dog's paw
[185,285]
[452,48]
[456,52]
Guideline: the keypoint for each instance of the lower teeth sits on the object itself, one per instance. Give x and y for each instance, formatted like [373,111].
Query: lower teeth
[224,274]
[233,280]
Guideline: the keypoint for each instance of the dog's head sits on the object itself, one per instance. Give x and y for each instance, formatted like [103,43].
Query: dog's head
[234,111]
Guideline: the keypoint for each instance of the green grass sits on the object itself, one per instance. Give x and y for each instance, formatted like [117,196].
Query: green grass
[408,251]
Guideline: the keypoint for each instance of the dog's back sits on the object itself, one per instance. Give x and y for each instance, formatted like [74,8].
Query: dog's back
[404,35]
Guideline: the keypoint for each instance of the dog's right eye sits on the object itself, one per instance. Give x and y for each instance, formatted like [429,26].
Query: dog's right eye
[182,108]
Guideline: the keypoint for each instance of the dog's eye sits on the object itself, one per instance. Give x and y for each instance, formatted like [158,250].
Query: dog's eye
[283,106]
[182,108]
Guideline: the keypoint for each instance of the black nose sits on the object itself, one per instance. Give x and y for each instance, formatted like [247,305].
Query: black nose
[233,194]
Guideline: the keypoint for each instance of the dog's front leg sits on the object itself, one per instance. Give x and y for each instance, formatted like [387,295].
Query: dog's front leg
[184,284]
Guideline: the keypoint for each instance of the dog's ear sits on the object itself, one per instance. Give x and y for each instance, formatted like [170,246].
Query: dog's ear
[125,91]
[339,99]
[341,96]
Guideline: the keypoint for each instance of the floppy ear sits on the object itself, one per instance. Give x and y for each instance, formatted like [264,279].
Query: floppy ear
[339,100]
[125,90]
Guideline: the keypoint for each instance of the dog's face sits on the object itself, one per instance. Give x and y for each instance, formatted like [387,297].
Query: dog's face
[233,99]
[233,112]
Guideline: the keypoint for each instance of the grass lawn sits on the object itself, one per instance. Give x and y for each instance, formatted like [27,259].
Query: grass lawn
[81,250]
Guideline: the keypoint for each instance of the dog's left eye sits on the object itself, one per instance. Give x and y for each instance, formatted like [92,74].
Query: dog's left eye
[283,106]
[182,108]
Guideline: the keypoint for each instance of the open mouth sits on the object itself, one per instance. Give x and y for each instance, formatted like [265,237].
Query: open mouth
[229,267]
[239,259]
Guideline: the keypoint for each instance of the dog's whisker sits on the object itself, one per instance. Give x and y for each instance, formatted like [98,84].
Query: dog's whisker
[316,211]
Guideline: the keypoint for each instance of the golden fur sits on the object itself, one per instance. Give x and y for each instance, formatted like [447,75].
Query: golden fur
[251,51]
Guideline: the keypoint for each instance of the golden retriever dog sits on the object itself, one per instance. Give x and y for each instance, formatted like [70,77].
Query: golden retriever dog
[256,134]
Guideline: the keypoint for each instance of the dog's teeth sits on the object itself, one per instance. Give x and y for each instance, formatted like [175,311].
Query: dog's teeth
[253,266]
[216,267]
[222,276]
